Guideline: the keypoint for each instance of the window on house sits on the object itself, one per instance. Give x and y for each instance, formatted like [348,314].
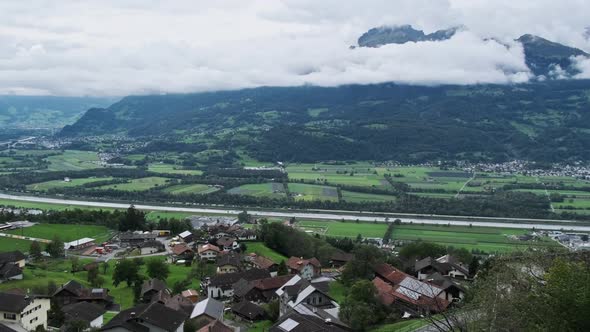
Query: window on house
[9,316]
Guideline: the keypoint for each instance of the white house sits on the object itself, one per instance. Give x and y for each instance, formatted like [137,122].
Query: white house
[208,252]
[25,311]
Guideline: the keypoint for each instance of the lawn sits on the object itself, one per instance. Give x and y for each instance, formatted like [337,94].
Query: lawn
[46,206]
[172,169]
[355,197]
[8,244]
[138,184]
[72,160]
[261,326]
[270,190]
[65,232]
[156,215]
[402,326]
[261,249]
[195,188]
[337,291]
[343,229]
[44,186]
[309,192]
[58,272]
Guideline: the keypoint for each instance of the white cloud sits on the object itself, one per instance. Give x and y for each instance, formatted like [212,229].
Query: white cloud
[119,47]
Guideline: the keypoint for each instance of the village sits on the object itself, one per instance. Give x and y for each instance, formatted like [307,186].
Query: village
[244,288]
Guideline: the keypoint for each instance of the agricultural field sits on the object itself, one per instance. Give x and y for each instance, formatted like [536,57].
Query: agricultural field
[72,160]
[195,188]
[343,229]
[270,190]
[260,249]
[481,238]
[66,232]
[44,186]
[356,197]
[429,178]
[172,169]
[357,174]
[156,215]
[309,192]
[45,206]
[138,184]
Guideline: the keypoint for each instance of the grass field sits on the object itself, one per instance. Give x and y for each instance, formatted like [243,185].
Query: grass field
[260,249]
[45,206]
[481,238]
[172,169]
[270,190]
[155,215]
[402,326]
[357,174]
[355,197]
[65,232]
[8,244]
[138,184]
[71,160]
[44,186]
[337,291]
[309,192]
[343,229]
[58,272]
[195,188]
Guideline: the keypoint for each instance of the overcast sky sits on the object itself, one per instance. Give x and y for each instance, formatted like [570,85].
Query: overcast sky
[121,47]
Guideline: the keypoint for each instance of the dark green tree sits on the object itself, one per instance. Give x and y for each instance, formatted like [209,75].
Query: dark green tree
[282,270]
[55,248]
[35,251]
[157,269]
[126,271]
[361,308]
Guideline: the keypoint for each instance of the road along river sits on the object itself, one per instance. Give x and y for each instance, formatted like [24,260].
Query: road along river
[542,224]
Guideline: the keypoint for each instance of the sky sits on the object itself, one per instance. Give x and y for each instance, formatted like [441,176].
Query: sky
[122,47]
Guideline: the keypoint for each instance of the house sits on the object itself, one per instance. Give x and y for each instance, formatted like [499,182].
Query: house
[248,311]
[298,291]
[307,268]
[215,326]
[229,263]
[339,259]
[24,311]
[446,265]
[208,252]
[453,289]
[152,289]
[152,317]
[13,258]
[132,239]
[396,288]
[245,235]
[206,311]
[79,244]
[262,262]
[191,295]
[186,236]
[260,290]
[89,313]
[221,285]
[73,292]
[180,303]
[182,251]
[227,243]
[308,322]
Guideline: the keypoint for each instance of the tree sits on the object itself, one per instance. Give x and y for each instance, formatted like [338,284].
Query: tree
[137,284]
[75,264]
[133,220]
[55,315]
[76,325]
[420,250]
[157,269]
[35,251]
[362,265]
[244,217]
[272,310]
[92,274]
[180,286]
[126,270]
[361,307]
[55,248]
[473,266]
[282,269]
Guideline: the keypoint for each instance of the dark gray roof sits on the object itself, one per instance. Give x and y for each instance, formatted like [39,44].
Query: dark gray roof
[229,259]
[249,310]
[85,311]
[9,270]
[295,322]
[11,256]
[228,279]
[154,313]
[10,302]
[153,284]
[134,236]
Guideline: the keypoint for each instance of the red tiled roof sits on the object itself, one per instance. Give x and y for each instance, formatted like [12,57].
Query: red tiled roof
[262,262]
[296,263]
[272,283]
[181,249]
[207,247]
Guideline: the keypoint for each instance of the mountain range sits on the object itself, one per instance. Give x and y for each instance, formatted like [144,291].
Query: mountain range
[542,56]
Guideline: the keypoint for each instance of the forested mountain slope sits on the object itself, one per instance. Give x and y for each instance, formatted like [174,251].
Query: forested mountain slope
[548,121]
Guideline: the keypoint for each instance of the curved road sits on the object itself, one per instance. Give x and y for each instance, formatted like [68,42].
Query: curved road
[547,224]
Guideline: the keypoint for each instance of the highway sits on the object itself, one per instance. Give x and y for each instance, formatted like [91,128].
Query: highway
[324,215]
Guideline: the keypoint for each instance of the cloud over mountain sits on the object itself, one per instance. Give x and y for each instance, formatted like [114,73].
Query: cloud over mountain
[137,47]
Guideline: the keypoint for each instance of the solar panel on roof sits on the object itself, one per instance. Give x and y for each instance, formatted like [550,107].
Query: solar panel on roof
[288,325]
